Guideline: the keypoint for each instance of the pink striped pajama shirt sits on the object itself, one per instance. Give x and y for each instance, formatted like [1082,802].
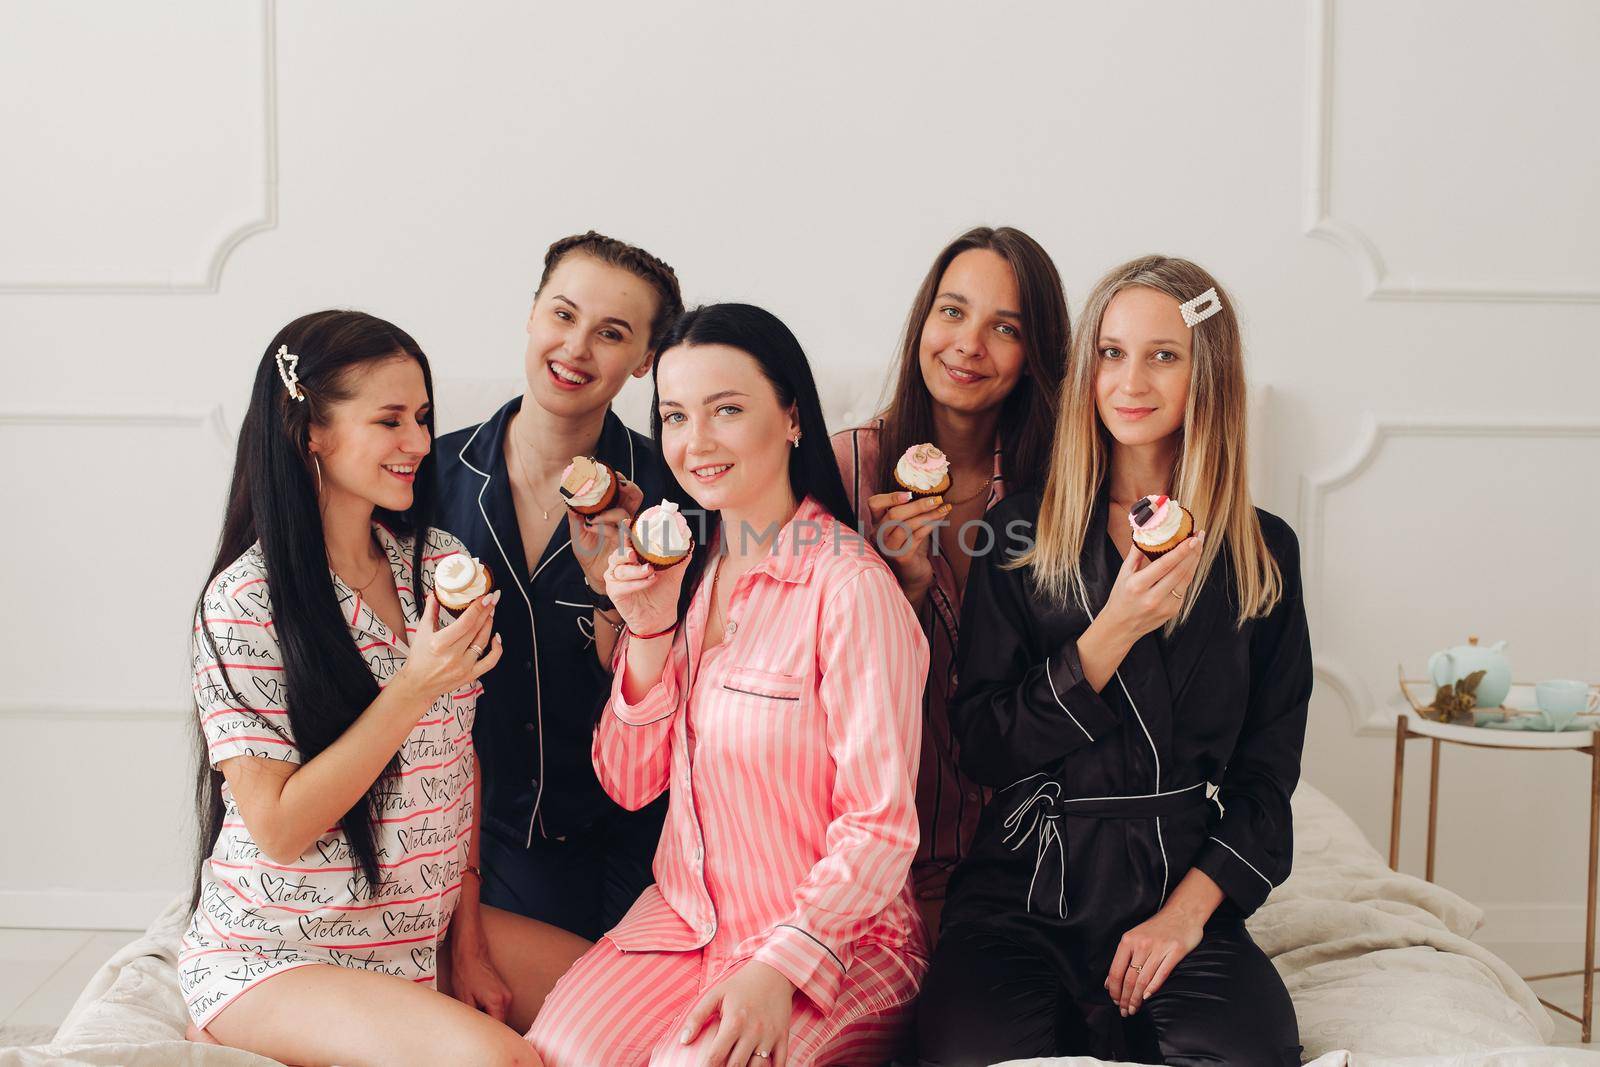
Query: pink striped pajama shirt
[791,754]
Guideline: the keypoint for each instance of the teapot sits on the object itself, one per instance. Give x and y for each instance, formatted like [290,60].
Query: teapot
[1454,664]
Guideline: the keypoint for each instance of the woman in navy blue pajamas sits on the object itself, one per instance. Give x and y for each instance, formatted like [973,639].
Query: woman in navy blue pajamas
[555,847]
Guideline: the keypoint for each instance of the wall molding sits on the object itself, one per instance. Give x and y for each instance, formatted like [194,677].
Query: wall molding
[1370,717]
[266,220]
[83,909]
[210,420]
[1367,718]
[84,711]
[1379,282]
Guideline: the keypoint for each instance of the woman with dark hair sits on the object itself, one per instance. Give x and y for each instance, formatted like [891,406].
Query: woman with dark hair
[338,791]
[773,681]
[981,360]
[555,847]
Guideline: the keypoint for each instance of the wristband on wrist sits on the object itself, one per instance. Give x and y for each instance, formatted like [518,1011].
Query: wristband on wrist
[658,633]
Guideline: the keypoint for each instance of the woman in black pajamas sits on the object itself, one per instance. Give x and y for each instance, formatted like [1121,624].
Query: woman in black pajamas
[1141,721]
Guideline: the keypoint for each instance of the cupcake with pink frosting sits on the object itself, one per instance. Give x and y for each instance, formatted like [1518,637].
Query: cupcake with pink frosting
[661,535]
[924,470]
[1160,524]
[588,486]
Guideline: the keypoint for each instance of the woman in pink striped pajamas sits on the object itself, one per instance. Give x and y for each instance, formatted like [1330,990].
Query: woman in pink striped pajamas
[773,682]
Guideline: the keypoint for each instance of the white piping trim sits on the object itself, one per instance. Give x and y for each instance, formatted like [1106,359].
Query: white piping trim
[1044,825]
[1119,796]
[1244,861]
[1166,866]
[1051,679]
[1135,796]
[533,633]
[570,604]
[540,569]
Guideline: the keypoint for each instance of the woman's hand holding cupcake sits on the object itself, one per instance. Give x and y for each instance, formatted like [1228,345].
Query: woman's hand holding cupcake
[1144,597]
[1146,594]
[903,525]
[646,596]
[596,536]
[442,659]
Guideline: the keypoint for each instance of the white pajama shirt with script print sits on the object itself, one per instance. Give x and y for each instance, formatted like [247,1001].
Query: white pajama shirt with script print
[258,918]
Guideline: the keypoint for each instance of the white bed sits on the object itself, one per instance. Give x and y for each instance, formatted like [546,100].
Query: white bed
[1381,966]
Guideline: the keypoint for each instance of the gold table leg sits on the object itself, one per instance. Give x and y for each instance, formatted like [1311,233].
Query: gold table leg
[1401,732]
[1585,1020]
[1433,807]
[1588,929]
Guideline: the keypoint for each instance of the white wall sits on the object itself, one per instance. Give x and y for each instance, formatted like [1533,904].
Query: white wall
[179,180]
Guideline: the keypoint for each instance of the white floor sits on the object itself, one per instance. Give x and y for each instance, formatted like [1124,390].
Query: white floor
[1566,992]
[43,971]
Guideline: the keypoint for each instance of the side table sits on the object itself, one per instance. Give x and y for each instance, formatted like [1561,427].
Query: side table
[1411,725]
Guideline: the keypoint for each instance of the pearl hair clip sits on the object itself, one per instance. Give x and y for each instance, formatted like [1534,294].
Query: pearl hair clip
[1201,307]
[288,361]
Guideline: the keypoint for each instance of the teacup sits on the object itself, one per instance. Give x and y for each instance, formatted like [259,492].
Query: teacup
[1560,701]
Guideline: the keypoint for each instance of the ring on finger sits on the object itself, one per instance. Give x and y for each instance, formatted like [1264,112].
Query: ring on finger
[477,651]
[765,1054]
[1178,593]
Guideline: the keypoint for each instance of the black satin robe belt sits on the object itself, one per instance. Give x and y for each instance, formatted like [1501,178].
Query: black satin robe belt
[1037,818]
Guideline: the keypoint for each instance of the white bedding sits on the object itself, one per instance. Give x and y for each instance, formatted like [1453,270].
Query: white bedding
[1381,967]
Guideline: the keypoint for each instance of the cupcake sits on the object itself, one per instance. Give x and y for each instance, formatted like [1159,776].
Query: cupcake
[924,470]
[1160,525]
[588,486]
[661,535]
[459,579]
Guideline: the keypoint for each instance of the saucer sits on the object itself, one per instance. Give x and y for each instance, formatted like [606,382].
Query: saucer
[1538,726]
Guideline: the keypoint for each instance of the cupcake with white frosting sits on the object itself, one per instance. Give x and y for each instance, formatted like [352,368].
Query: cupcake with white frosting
[924,470]
[661,535]
[459,579]
[1160,524]
[588,486]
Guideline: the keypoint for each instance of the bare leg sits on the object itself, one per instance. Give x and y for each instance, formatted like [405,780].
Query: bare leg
[198,1036]
[530,957]
[324,1015]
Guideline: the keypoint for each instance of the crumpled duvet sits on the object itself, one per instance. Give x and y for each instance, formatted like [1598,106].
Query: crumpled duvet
[1381,967]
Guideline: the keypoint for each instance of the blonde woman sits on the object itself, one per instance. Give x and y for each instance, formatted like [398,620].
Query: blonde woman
[1102,695]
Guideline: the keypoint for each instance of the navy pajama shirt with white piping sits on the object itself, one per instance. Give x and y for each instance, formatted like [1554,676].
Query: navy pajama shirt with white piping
[1104,801]
[554,847]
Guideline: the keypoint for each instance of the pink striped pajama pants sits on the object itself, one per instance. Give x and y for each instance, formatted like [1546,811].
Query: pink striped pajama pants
[615,1009]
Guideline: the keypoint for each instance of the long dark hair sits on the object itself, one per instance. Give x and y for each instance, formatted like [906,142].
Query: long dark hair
[273,499]
[762,335]
[1028,415]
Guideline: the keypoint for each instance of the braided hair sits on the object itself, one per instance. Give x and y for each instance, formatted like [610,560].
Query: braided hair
[635,261]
